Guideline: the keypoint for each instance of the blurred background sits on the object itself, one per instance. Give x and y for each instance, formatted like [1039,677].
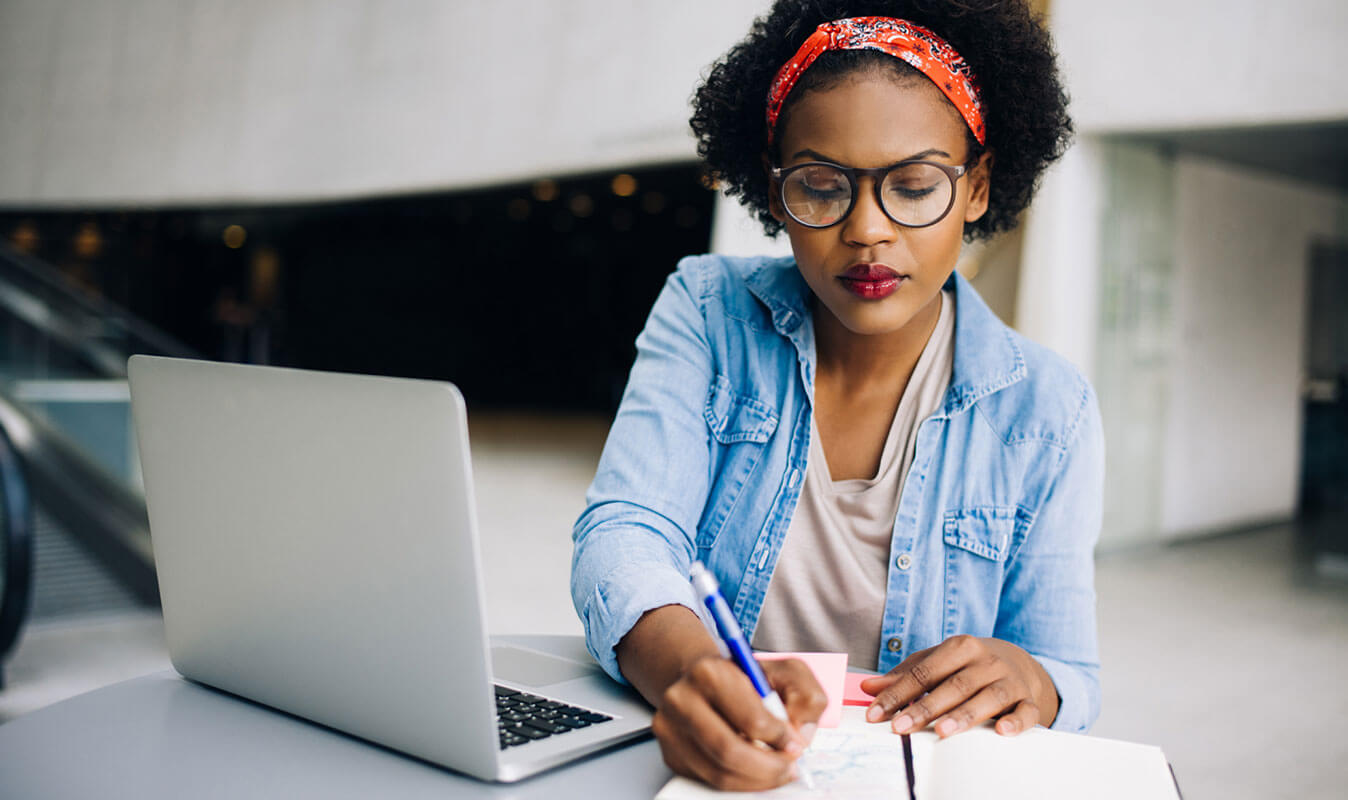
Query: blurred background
[345,185]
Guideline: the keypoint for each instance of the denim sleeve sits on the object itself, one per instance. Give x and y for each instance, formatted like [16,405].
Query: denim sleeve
[1048,599]
[634,541]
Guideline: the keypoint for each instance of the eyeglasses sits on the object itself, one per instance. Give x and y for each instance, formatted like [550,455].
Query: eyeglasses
[914,194]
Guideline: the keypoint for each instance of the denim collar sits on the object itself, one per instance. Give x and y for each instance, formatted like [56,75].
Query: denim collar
[987,358]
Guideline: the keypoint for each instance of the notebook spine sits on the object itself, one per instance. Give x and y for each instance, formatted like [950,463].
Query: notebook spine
[908,767]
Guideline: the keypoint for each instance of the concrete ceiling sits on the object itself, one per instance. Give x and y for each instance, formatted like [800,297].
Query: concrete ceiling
[1312,152]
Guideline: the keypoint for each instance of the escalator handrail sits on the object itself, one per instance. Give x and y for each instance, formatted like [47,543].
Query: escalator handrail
[16,527]
[19,304]
[41,275]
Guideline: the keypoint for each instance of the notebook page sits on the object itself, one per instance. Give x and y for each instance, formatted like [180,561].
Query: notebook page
[1041,765]
[855,761]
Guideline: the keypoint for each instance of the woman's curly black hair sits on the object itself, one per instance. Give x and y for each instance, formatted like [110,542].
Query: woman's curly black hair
[1005,45]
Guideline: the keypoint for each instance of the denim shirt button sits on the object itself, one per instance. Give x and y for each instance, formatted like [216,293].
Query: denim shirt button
[895,644]
[904,561]
[794,479]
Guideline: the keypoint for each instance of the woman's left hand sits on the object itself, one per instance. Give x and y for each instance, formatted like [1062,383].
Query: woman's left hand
[961,682]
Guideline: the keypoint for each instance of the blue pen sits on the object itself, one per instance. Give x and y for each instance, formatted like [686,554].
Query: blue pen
[709,592]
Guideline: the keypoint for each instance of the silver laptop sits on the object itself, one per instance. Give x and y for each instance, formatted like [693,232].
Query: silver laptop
[317,549]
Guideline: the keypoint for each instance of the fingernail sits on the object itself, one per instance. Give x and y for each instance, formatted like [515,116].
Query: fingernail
[947,727]
[793,748]
[1006,727]
[807,732]
[903,723]
[874,713]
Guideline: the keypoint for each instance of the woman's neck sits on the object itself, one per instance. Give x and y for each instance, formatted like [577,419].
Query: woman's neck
[850,360]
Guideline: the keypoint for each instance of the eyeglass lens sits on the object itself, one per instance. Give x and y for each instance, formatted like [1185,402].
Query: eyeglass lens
[913,194]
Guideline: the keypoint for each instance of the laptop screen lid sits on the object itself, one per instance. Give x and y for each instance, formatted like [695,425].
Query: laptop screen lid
[316,550]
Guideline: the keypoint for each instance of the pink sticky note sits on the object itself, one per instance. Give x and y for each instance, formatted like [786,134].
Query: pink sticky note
[853,694]
[829,669]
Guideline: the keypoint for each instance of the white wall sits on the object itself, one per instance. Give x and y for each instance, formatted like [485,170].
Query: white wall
[1232,444]
[1146,64]
[735,232]
[1057,301]
[163,102]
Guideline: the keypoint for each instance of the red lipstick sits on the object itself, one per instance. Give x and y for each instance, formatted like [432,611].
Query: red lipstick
[871,281]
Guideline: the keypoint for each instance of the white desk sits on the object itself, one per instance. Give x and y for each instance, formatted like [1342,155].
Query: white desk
[161,736]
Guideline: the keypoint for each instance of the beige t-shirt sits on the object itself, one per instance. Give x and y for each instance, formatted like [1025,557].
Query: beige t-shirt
[827,592]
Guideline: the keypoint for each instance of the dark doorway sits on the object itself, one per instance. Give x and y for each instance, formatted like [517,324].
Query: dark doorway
[1324,485]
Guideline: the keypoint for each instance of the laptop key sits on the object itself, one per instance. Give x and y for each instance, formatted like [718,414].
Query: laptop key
[502,691]
[527,731]
[572,722]
[546,725]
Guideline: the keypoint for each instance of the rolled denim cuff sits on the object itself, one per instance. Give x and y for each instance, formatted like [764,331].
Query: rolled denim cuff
[1078,694]
[618,601]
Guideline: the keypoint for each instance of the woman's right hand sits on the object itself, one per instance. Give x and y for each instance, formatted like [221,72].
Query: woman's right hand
[711,724]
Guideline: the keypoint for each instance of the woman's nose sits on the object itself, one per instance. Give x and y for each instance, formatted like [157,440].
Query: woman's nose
[868,224]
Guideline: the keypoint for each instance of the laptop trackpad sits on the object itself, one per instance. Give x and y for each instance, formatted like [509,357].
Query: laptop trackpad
[516,665]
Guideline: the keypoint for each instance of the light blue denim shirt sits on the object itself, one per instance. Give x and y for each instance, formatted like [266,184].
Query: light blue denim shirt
[997,519]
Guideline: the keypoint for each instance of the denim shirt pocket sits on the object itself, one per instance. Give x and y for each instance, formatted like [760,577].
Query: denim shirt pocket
[977,543]
[740,426]
[734,418]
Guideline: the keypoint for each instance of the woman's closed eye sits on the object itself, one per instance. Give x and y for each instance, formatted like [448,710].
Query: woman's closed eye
[826,190]
[912,192]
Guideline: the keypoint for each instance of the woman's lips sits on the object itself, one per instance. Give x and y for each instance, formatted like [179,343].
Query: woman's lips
[871,281]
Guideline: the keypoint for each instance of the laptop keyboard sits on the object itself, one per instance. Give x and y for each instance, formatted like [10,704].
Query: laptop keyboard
[523,717]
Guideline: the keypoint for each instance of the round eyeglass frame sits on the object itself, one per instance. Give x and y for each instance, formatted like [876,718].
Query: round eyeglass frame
[877,175]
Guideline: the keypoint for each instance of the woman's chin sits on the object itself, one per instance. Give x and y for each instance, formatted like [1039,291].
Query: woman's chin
[873,318]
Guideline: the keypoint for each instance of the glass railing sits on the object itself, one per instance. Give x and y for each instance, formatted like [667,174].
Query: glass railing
[65,407]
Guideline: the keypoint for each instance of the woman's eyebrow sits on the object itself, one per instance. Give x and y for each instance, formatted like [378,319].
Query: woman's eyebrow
[817,156]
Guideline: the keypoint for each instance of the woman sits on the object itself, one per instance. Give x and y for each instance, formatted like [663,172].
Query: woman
[866,458]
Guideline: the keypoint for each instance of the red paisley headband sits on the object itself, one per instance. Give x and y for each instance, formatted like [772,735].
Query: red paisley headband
[914,44]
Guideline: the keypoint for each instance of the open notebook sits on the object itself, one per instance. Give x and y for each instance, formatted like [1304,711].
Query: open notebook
[859,760]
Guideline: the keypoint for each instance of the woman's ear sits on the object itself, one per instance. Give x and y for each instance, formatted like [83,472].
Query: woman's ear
[774,196]
[980,182]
